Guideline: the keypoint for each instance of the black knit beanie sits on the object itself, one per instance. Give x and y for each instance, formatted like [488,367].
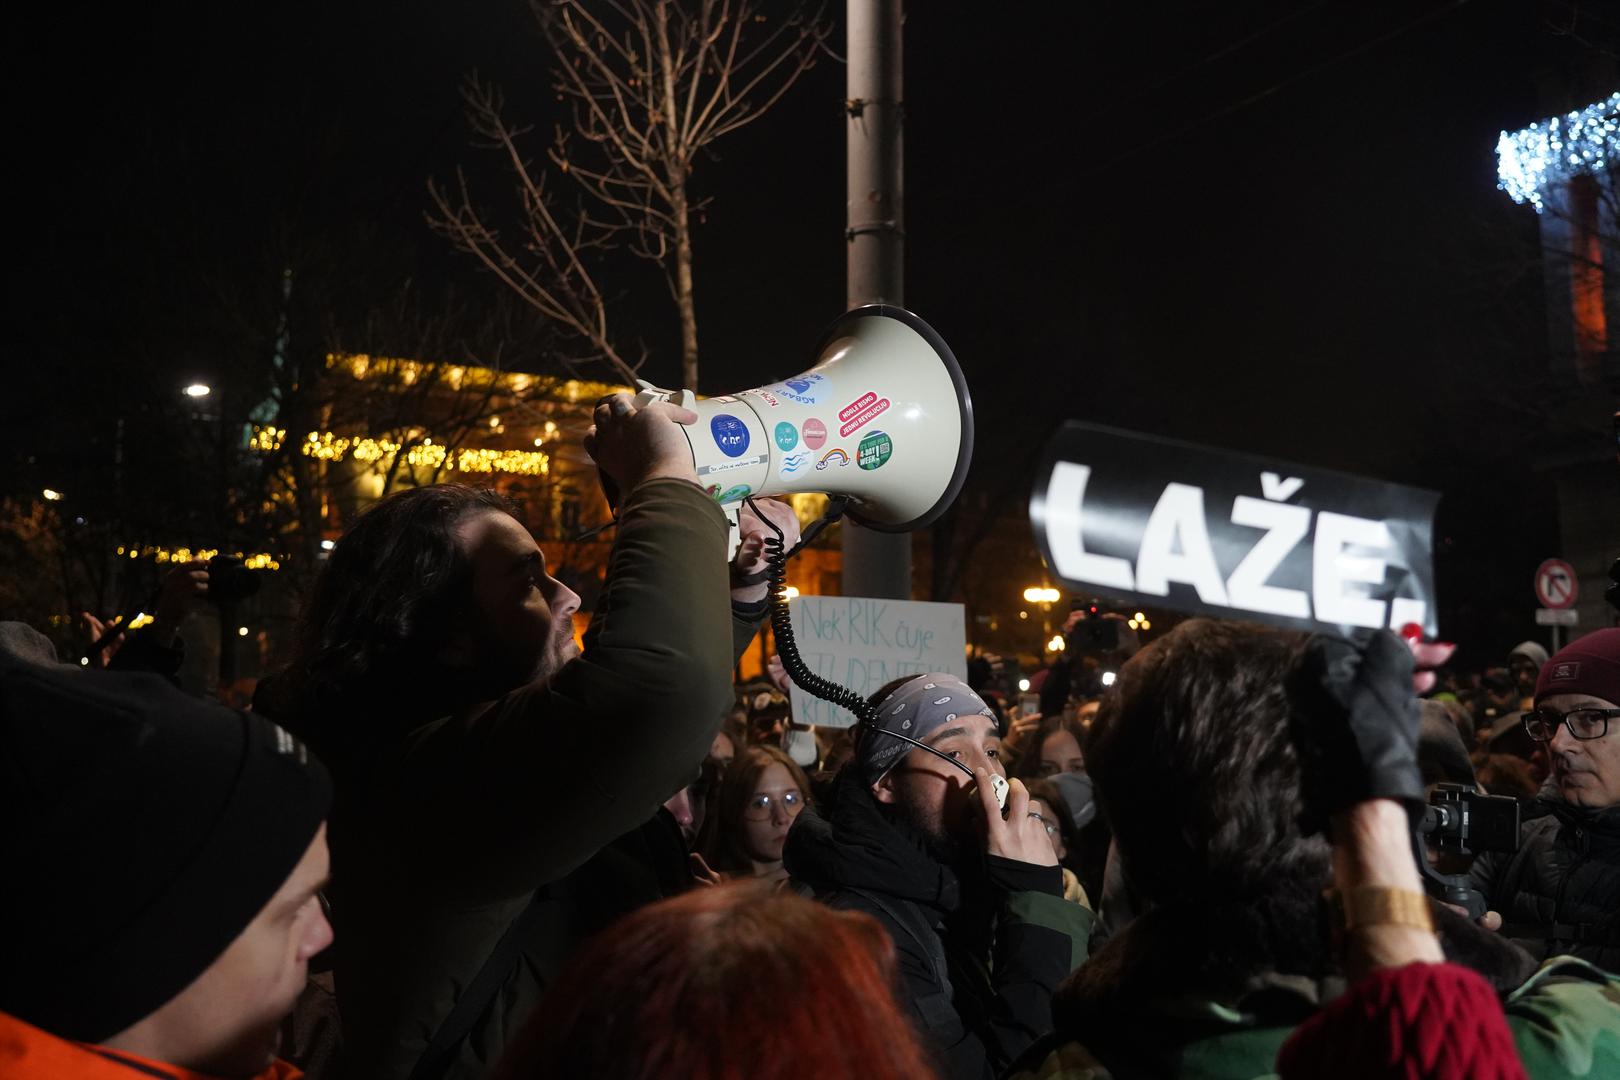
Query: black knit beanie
[141,830]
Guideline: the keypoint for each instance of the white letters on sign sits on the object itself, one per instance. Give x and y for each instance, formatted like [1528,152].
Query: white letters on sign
[1177,522]
[1348,553]
[1332,568]
[1064,498]
[1285,526]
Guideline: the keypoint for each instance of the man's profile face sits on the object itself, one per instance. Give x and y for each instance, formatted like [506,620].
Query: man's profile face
[932,795]
[1587,771]
[519,625]
[227,1022]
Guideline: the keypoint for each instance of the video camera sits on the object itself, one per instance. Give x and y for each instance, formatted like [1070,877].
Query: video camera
[1461,820]
[1097,632]
[1094,648]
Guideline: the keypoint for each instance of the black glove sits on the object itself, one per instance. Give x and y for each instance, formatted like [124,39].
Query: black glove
[1355,726]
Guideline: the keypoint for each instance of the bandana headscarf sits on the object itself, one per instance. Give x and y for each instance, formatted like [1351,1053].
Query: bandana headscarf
[916,709]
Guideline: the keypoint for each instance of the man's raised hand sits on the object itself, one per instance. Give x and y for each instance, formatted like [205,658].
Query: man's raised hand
[1022,834]
[632,446]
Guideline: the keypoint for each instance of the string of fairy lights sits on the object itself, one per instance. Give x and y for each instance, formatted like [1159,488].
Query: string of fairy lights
[1555,150]
[257,560]
[382,451]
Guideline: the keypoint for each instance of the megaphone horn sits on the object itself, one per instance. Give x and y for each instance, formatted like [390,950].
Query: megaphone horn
[883,417]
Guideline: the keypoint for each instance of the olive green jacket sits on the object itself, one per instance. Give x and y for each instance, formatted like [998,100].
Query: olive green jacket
[440,841]
[1565,1022]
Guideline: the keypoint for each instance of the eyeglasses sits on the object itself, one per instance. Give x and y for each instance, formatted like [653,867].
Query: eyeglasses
[1542,724]
[758,808]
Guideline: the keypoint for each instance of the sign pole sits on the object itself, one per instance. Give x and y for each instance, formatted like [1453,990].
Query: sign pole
[875,563]
[1557,588]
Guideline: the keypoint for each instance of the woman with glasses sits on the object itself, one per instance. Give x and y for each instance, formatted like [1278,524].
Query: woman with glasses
[1560,892]
[760,798]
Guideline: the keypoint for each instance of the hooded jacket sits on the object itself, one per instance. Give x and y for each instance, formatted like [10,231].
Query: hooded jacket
[978,959]
[1560,892]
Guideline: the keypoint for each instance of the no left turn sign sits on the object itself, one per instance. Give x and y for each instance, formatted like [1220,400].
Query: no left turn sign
[1556,585]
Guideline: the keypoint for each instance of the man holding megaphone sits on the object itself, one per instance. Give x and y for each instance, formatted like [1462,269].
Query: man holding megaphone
[440,681]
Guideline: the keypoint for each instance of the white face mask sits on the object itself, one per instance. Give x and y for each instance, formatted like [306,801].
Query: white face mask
[1076,791]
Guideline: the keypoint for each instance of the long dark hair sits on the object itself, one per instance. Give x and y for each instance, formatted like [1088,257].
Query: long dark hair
[385,602]
[1195,766]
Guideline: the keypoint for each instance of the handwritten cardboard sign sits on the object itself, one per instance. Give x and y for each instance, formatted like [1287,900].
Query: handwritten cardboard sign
[862,644]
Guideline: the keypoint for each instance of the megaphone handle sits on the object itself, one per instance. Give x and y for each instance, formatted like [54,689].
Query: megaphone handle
[735,541]
[650,393]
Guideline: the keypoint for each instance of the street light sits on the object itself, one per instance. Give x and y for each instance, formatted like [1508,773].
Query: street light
[52,496]
[198,390]
[1037,594]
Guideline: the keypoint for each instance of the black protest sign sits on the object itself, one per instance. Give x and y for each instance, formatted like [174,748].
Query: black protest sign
[1152,521]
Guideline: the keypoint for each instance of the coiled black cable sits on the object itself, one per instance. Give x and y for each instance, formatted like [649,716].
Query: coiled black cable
[776,559]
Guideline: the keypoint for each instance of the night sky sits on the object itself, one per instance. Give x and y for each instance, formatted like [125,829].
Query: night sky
[1272,227]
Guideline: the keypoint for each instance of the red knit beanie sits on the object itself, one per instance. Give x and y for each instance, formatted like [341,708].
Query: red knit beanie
[1590,665]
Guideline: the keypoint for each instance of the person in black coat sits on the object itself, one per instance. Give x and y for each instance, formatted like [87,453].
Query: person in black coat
[1560,892]
[972,901]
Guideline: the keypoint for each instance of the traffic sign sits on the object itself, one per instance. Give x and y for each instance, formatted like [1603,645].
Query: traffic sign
[1556,586]
[1556,617]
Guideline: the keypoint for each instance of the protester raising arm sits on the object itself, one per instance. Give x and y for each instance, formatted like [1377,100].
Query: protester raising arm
[649,688]
[1357,731]
[1411,1015]
[468,734]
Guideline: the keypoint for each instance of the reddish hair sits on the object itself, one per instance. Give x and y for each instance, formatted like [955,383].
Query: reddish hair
[726,851]
[720,984]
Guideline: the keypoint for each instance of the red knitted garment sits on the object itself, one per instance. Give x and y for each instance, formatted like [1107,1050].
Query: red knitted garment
[1418,1022]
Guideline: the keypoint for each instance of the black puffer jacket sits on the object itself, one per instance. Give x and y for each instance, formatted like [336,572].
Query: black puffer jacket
[978,959]
[1560,892]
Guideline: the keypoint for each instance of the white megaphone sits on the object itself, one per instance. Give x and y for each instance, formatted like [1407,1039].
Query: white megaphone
[884,418]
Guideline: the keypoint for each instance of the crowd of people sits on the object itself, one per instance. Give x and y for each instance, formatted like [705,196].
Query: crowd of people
[446,841]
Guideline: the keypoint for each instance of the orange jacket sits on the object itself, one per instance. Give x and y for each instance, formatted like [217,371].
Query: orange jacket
[27,1053]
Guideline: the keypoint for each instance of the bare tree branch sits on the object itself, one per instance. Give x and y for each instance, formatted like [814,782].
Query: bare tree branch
[649,84]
